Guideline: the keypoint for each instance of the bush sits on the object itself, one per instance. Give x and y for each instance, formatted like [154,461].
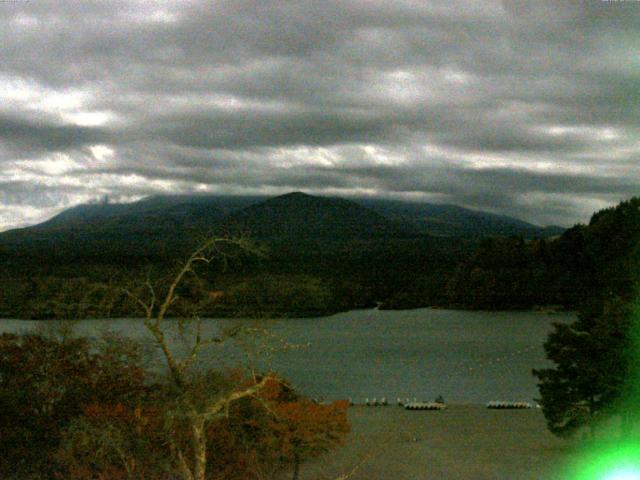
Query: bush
[44,384]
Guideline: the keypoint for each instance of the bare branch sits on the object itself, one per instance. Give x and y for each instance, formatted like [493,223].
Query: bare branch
[152,292]
[222,405]
[194,467]
[197,345]
[148,309]
[200,255]
[185,471]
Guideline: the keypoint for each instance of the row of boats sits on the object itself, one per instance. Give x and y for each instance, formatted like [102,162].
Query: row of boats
[439,404]
[510,405]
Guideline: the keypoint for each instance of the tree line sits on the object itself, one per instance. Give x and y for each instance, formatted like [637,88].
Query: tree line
[313,278]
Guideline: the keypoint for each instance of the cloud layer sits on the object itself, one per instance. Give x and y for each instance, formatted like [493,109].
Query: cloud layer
[523,108]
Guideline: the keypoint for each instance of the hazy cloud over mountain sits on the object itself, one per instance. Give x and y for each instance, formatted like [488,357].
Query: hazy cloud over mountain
[528,108]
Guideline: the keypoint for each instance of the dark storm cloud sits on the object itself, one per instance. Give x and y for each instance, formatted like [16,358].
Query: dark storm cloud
[29,136]
[238,131]
[524,107]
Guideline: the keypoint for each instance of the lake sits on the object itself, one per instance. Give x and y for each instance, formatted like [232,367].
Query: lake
[467,357]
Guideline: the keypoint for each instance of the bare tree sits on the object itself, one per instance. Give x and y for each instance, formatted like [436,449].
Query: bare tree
[192,462]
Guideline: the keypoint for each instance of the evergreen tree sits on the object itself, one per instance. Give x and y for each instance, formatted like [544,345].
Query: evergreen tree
[592,357]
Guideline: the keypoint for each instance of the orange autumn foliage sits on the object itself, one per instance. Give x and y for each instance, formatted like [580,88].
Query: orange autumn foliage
[307,428]
[276,431]
[260,436]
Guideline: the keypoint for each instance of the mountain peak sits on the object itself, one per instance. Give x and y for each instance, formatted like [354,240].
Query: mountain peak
[299,215]
[296,194]
[295,197]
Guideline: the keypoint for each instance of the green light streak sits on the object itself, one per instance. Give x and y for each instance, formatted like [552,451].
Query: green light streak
[611,461]
[614,455]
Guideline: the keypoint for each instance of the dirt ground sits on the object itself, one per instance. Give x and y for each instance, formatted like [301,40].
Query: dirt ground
[462,442]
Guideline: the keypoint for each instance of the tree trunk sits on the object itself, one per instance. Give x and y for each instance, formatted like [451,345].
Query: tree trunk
[296,466]
[183,468]
[199,445]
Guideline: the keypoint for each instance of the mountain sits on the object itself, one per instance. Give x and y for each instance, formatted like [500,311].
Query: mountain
[154,225]
[167,225]
[452,220]
[323,255]
[150,214]
[297,216]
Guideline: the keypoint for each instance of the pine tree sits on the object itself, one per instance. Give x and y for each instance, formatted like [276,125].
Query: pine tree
[592,357]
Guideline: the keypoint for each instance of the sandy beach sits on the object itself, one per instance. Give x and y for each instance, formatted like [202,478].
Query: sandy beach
[461,442]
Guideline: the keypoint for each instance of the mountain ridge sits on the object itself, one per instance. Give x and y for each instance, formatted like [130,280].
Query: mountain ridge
[168,226]
[424,216]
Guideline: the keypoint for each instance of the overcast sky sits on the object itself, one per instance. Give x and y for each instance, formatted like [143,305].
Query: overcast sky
[530,109]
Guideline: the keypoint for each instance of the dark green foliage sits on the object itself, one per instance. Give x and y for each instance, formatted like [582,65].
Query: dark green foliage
[356,255]
[584,263]
[352,256]
[275,295]
[592,359]
[595,356]
[345,275]
[497,275]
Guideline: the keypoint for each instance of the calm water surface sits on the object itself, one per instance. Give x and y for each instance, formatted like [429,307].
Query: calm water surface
[467,357]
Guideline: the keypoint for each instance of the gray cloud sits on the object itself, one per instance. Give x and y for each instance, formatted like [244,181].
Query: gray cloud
[29,136]
[527,108]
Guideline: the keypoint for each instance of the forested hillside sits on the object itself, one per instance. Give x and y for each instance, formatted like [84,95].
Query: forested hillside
[319,256]
[585,262]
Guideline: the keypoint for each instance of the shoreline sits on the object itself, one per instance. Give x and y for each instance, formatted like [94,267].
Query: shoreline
[379,308]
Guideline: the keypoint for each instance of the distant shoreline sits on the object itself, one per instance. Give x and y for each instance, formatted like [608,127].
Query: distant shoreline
[542,309]
[538,309]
